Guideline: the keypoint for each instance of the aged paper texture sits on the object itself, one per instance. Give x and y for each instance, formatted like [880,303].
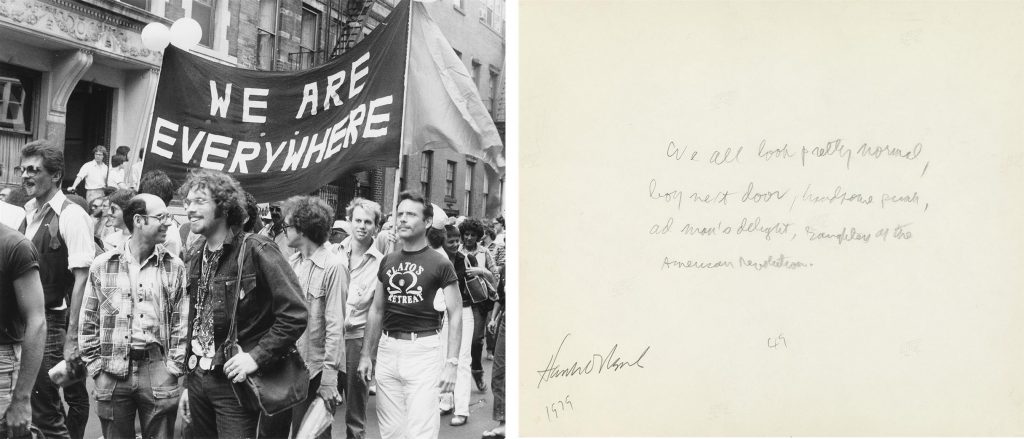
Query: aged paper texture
[771,218]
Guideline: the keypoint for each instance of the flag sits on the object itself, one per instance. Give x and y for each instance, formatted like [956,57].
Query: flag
[443,105]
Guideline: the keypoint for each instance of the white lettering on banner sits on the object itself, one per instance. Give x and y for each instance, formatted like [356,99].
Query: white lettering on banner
[374,118]
[334,83]
[358,74]
[292,159]
[274,154]
[309,98]
[248,104]
[188,149]
[209,150]
[219,104]
[222,152]
[246,151]
[337,133]
[355,119]
[318,148]
[160,138]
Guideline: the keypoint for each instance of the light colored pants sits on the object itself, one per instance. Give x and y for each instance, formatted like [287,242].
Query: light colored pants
[464,378]
[408,375]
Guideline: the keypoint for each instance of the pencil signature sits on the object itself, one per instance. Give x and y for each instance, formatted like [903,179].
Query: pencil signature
[598,363]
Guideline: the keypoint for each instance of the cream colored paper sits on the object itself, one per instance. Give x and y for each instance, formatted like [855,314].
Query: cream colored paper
[916,332]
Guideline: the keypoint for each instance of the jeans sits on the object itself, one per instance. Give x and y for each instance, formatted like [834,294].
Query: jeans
[47,409]
[10,363]
[77,397]
[215,410]
[356,392]
[480,311]
[463,379]
[148,390]
[498,373]
[408,372]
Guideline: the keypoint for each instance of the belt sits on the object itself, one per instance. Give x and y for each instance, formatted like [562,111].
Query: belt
[404,335]
[201,363]
[138,354]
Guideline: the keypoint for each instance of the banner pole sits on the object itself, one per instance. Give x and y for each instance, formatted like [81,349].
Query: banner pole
[401,137]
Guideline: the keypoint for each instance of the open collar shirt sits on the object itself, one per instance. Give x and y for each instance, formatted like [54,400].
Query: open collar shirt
[129,304]
[74,227]
[362,284]
[323,278]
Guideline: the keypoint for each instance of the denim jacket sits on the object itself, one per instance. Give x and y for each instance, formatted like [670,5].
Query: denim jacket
[271,312]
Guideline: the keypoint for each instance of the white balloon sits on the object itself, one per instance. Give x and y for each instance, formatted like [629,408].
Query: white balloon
[186,33]
[155,36]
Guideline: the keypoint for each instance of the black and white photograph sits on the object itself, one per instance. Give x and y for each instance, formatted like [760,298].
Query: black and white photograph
[253,219]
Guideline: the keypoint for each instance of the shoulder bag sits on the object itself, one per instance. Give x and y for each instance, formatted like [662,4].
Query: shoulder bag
[276,387]
[479,289]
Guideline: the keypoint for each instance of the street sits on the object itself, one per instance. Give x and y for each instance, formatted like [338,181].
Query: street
[480,410]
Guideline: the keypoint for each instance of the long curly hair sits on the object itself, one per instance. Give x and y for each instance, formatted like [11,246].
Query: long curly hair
[227,194]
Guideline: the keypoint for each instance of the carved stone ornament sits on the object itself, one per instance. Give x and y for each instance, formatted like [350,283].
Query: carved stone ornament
[60,20]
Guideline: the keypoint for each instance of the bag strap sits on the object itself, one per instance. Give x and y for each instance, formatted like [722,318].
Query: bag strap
[233,328]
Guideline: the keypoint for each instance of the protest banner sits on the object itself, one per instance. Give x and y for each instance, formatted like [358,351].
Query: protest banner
[283,133]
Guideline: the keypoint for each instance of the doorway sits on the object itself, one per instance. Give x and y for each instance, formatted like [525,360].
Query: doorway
[88,125]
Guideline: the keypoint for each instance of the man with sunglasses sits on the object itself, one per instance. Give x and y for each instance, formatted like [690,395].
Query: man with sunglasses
[60,231]
[275,230]
[133,326]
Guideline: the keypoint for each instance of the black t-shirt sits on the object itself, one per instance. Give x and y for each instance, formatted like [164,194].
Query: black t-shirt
[411,280]
[459,262]
[17,257]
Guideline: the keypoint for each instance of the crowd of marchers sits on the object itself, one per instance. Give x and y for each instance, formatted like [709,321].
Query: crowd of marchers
[169,317]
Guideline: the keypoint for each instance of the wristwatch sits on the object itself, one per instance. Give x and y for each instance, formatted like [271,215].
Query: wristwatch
[452,361]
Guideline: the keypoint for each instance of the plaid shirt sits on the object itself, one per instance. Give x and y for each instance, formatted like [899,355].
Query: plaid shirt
[104,333]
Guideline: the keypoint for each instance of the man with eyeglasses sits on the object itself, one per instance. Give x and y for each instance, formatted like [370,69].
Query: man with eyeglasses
[275,230]
[60,231]
[133,326]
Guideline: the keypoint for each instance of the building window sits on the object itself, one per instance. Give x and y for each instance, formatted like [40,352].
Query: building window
[309,39]
[141,4]
[470,168]
[14,100]
[492,15]
[449,180]
[486,191]
[426,163]
[476,74]
[202,11]
[266,36]
[487,13]
[492,86]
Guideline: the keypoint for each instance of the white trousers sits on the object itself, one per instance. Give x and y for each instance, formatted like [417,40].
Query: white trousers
[408,375]
[464,377]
